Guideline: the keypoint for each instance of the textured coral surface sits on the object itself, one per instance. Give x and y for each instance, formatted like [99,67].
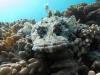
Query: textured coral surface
[65,43]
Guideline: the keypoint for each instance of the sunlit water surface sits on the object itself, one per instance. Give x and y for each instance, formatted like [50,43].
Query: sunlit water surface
[11,10]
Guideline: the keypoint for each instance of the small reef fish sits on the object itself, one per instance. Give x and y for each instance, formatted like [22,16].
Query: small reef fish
[46,7]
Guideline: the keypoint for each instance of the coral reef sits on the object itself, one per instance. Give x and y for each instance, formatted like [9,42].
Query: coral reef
[88,14]
[65,43]
[20,68]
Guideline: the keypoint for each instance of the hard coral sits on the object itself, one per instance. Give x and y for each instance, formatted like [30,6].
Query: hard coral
[26,30]
[55,41]
[85,12]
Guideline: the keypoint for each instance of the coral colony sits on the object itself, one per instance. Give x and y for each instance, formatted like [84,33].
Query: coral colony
[66,43]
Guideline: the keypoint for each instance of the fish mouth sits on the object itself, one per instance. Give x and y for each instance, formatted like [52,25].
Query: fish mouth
[49,48]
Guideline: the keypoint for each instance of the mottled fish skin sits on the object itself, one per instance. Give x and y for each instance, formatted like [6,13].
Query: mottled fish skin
[53,32]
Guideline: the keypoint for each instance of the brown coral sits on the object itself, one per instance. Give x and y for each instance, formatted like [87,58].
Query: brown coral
[85,12]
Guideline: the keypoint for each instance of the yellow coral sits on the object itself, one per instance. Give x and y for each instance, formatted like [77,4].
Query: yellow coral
[9,41]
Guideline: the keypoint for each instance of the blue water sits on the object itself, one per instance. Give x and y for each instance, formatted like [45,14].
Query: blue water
[11,10]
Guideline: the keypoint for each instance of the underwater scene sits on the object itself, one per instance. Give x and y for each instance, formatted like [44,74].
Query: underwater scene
[49,37]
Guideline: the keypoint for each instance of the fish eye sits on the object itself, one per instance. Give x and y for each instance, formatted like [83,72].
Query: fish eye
[42,31]
[57,29]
